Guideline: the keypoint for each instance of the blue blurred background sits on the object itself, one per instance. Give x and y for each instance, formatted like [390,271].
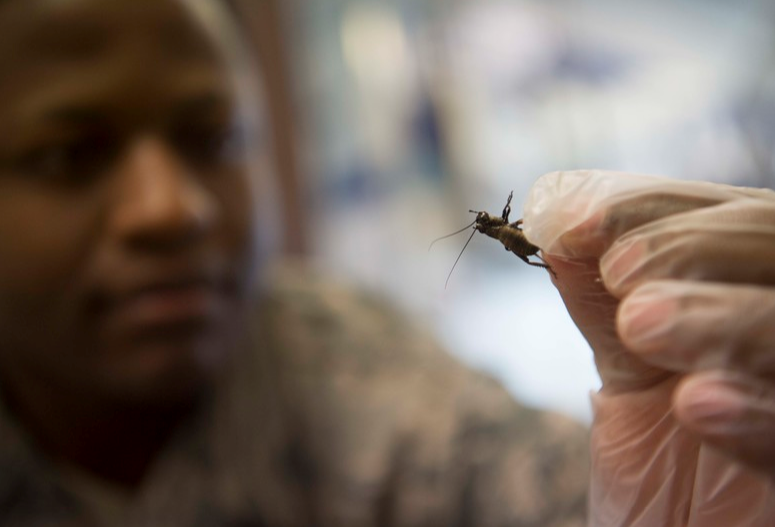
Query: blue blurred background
[402,115]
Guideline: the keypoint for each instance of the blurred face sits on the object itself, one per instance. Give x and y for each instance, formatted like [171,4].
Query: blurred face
[126,210]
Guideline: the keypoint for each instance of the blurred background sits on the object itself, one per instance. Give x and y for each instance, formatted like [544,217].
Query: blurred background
[393,118]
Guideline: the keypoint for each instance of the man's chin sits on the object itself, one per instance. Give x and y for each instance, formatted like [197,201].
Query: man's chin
[162,374]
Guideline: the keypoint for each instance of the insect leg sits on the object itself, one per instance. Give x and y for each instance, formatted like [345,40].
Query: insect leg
[507,208]
[536,264]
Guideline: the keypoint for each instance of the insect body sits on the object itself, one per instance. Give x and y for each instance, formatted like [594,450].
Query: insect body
[509,234]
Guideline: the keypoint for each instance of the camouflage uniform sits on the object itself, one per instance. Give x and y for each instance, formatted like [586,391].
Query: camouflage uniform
[340,414]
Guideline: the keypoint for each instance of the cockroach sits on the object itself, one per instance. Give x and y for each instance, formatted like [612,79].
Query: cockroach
[509,234]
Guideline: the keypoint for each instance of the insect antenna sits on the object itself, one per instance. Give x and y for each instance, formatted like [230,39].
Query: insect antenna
[458,258]
[448,235]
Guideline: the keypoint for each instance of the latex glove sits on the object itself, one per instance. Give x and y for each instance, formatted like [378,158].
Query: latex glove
[671,282]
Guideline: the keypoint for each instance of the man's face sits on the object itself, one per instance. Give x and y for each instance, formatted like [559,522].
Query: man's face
[126,210]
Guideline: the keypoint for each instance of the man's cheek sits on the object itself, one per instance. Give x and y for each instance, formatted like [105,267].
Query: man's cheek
[40,250]
[242,223]
[29,328]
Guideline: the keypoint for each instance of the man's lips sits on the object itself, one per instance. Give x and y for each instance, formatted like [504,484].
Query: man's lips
[166,306]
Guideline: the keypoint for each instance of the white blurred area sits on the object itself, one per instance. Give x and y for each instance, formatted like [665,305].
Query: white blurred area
[415,111]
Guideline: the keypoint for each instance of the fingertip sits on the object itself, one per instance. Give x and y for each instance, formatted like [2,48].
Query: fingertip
[559,213]
[548,207]
[709,403]
[645,318]
[584,239]
[732,412]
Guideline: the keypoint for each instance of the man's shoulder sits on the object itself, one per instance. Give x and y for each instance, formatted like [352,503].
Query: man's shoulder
[354,344]
[382,408]
[329,329]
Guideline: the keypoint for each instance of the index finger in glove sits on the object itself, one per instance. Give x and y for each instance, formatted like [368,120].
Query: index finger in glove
[579,214]
[733,242]
[687,326]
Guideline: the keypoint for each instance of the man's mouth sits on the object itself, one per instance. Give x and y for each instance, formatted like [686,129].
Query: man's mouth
[166,308]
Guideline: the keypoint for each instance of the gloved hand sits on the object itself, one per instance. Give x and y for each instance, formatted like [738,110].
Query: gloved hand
[673,285]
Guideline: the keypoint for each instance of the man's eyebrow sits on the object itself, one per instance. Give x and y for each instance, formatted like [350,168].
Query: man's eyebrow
[205,102]
[74,115]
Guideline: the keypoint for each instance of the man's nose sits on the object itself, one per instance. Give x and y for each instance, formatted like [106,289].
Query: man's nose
[161,203]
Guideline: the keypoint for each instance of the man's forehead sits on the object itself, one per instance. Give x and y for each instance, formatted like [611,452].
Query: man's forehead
[127,67]
[89,49]
[55,30]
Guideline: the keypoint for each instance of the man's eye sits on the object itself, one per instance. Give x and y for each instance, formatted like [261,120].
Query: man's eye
[76,161]
[207,145]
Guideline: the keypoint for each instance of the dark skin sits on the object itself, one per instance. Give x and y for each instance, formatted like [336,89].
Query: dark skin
[127,224]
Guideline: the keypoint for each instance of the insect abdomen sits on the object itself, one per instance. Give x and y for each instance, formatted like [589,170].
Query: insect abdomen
[514,240]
